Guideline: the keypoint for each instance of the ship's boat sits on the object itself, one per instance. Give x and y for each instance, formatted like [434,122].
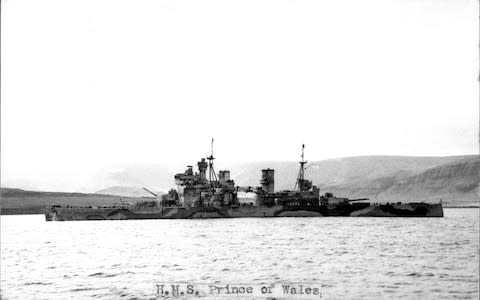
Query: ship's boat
[216,196]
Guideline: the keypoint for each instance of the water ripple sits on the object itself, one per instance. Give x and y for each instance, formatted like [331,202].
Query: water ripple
[352,258]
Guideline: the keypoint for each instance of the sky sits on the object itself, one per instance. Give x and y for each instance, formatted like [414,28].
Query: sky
[88,85]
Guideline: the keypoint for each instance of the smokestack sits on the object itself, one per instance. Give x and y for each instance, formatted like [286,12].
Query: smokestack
[268,180]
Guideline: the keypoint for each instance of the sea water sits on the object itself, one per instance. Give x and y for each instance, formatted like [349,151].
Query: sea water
[349,258]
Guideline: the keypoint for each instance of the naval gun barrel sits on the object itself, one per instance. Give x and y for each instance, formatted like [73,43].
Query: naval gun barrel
[150,192]
[359,199]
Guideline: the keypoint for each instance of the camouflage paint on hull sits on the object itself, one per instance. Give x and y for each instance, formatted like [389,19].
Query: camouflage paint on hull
[134,213]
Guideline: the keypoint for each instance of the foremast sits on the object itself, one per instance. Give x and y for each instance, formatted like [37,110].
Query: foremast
[302,184]
[212,176]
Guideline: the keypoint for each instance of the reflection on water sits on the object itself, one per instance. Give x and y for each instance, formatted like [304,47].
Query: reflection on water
[367,258]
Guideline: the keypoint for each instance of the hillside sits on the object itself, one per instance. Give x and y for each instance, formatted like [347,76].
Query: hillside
[17,201]
[127,191]
[454,179]
[342,170]
[153,176]
[455,183]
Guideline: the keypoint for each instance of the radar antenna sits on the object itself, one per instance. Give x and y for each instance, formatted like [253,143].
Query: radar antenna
[212,177]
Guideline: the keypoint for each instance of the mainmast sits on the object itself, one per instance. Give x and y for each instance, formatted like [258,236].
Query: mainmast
[212,177]
[301,172]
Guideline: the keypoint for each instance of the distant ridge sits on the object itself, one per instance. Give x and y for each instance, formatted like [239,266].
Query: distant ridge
[18,201]
[10,192]
[455,183]
[343,170]
[453,179]
[127,191]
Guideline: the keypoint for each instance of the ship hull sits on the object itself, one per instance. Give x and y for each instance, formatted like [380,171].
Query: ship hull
[134,213]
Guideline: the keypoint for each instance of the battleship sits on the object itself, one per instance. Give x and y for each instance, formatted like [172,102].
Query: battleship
[198,196]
